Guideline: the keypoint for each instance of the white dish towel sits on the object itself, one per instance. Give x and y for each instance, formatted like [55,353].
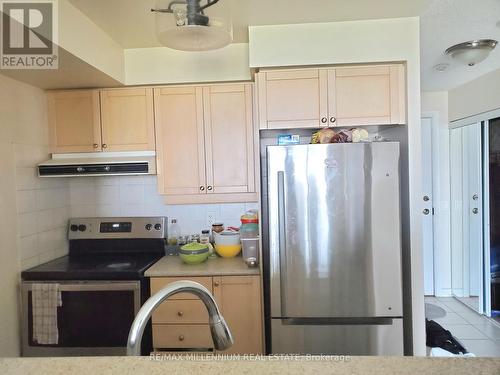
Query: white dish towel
[45,299]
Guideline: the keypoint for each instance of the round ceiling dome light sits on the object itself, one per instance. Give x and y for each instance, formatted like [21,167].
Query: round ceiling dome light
[190,29]
[472,52]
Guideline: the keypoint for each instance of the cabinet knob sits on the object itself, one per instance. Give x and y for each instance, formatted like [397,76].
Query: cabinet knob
[332,119]
[324,120]
[202,188]
[209,188]
[181,337]
[180,313]
[216,283]
[96,145]
[104,145]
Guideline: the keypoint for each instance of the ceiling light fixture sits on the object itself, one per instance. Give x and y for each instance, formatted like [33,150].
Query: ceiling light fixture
[472,52]
[191,29]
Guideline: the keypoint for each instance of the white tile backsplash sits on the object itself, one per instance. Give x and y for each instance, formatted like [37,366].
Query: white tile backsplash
[26,201]
[138,196]
[43,206]
[132,194]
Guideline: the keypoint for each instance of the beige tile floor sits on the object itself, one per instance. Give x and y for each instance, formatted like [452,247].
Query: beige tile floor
[477,333]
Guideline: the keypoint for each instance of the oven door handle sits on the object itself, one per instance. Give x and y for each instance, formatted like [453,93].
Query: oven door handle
[87,286]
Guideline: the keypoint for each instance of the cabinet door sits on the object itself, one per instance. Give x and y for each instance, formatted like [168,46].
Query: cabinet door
[127,120]
[74,121]
[366,95]
[292,99]
[180,140]
[239,299]
[229,139]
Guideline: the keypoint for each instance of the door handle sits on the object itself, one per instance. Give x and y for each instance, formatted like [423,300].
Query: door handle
[282,239]
[475,197]
[202,188]
[426,211]
[324,120]
[475,211]
[426,198]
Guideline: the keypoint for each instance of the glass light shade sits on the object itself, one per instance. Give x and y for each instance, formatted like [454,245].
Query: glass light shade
[194,38]
[174,32]
[470,57]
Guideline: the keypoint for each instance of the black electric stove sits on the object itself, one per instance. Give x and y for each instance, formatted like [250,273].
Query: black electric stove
[106,249]
[102,285]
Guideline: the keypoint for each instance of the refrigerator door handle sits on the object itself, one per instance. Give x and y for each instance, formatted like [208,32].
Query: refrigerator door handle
[336,321]
[282,239]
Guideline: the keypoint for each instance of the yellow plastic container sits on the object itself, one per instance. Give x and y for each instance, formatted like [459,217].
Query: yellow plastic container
[228,251]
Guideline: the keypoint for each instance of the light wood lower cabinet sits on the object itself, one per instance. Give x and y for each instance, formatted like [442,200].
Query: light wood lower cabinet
[239,300]
[182,336]
[183,323]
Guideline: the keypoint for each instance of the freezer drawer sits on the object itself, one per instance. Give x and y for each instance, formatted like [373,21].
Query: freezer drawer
[383,339]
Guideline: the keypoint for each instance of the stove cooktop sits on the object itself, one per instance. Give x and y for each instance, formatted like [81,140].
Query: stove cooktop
[115,267]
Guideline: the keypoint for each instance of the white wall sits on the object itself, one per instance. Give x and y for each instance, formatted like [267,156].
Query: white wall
[29,224]
[475,97]
[84,39]
[164,65]
[435,105]
[361,42]
[138,196]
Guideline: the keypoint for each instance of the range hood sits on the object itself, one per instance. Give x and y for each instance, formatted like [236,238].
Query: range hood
[99,164]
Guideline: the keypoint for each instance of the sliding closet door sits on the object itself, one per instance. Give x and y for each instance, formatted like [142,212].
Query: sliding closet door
[466,215]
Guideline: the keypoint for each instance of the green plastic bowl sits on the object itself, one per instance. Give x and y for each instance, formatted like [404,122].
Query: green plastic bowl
[194,253]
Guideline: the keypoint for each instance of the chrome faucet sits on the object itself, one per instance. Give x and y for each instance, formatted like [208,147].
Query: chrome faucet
[218,327]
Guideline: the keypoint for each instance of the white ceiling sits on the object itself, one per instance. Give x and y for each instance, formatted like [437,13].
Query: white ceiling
[443,23]
[448,22]
[132,25]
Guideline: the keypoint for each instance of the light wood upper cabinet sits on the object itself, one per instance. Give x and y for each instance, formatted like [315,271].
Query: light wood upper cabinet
[229,143]
[205,143]
[180,140]
[105,120]
[238,298]
[369,95]
[292,98]
[74,121]
[127,120]
[341,96]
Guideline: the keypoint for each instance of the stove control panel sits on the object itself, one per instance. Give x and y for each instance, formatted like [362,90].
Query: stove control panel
[117,227]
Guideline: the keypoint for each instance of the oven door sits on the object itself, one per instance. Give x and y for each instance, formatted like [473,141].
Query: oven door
[94,319]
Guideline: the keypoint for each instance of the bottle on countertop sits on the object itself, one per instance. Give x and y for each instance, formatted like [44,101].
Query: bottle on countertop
[205,240]
[174,232]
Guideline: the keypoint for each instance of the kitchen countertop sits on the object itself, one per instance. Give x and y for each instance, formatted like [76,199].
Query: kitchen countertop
[300,365]
[174,266]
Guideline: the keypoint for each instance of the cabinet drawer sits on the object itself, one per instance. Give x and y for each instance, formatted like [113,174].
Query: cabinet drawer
[158,283]
[166,336]
[181,311]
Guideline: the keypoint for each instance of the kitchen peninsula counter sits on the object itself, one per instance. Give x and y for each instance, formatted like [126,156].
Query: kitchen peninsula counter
[302,365]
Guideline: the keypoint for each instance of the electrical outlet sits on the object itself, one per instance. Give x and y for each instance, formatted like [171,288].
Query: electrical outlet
[211,217]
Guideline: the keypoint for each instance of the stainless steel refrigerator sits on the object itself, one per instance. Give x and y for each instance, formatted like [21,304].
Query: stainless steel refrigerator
[334,249]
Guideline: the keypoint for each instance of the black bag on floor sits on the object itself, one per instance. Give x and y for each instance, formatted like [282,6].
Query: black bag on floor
[438,337]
